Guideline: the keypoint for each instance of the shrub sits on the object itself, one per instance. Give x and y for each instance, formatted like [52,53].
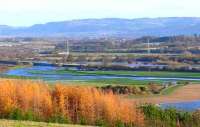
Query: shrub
[58,118]
[16,114]
[155,116]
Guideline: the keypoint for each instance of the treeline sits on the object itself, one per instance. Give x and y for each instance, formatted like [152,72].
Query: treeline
[151,88]
[170,68]
[175,44]
[36,101]
[178,38]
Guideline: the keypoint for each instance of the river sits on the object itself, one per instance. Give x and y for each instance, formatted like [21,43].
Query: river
[186,106]
[67,76]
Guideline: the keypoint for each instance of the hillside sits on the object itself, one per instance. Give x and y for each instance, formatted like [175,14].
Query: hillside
[109,27]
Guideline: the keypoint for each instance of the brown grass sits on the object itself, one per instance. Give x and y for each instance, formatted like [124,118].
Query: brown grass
[183,94]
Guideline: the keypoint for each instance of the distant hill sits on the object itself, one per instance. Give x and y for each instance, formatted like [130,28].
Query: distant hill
[109,27]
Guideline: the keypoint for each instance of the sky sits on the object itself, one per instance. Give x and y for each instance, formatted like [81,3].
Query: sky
[29,12]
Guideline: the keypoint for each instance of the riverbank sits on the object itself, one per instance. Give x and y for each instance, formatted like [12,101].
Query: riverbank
[185,93]
[3,68]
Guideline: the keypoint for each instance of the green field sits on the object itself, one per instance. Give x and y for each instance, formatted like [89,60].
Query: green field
[166,74]
[13,123]
[122,81]
[170,90]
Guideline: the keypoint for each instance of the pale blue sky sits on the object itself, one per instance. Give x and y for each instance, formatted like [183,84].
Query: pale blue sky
[29,12]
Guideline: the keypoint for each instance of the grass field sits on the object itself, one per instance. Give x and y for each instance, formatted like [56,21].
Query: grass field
[13,123]
[123,81]
[166,74]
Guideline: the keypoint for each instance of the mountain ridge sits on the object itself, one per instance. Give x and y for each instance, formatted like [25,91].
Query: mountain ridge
[114,27]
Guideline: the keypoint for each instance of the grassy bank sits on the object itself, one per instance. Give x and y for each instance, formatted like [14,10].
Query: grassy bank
[14,123]
[170,89]
[18,67]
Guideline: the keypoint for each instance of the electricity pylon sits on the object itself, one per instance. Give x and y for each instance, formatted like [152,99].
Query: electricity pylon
[66,51]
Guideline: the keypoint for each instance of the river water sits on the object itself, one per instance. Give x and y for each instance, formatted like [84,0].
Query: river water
[186,106]
[68,76]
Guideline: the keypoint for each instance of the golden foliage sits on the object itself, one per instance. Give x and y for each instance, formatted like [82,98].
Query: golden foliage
[86,105]
[25,95]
